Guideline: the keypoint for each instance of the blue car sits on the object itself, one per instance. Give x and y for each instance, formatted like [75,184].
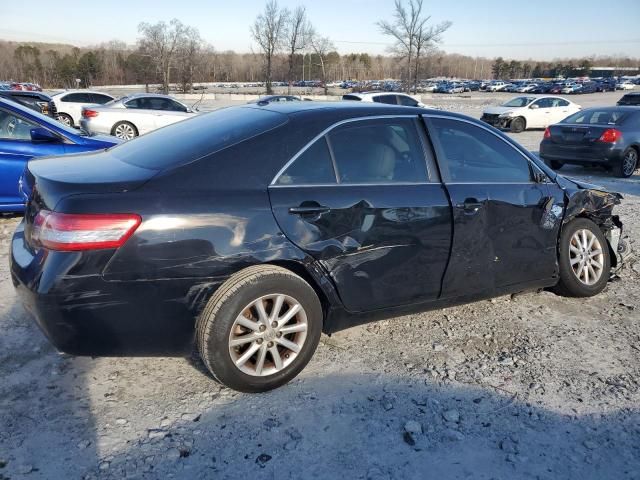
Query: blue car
[25,134]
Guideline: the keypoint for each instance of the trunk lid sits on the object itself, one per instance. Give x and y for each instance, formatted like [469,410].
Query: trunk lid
[576,134]
[48,180]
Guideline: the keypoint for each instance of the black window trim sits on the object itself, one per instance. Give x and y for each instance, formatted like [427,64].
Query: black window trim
[326,131]
[445,171]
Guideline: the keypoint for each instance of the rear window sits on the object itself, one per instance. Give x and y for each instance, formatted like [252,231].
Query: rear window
[192,139]
[596,117]
[351,97]
[630,100]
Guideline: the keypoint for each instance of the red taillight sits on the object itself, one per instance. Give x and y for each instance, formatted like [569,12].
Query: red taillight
[610,135]
[547,133]
[89,113]
[71,232]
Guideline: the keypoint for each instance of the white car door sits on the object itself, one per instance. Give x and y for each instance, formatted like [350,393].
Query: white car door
[560,109]
[141,114]
[539,113]
[72,104]
[167,111]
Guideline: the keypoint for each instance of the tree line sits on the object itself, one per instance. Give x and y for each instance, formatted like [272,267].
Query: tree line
[289,48]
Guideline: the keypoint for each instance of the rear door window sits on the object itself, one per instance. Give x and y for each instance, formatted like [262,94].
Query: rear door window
[388,99]
[406,101]
[100,99]
[313,166]
[468,153]
[77,98]
[378,151]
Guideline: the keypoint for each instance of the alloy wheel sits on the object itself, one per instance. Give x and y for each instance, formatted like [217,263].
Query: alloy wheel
[268,335]
[586,257]
[125,132]
[629,162]
[64,120]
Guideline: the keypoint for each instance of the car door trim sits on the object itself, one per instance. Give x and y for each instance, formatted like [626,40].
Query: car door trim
[325,132]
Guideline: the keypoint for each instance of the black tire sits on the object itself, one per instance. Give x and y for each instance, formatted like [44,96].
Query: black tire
[518,125]
[214,325]
[65,119]
[555,165]
[628,164]
[125,125]
[569,284]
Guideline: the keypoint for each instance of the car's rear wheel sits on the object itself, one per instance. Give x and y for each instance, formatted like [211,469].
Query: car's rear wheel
[65,119]
[584,259]
[518,125]
[628,164]
[124,130]
[259,329]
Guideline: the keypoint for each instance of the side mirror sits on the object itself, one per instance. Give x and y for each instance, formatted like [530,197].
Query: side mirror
[534,106]
[42,135]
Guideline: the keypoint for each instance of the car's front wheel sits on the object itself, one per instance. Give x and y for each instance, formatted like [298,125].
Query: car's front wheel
[584,259]
[124,130]
[259,329]
[518,125]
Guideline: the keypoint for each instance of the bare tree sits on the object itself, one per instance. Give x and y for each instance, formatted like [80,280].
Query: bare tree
[406,27]
[425,39]
[269,31]
[189,57]
[321,46]
[160,41]
[298,31]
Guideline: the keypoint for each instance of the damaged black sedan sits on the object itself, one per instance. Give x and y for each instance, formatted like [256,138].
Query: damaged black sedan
[249,231]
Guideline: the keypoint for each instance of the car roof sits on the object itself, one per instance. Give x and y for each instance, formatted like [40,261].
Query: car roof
[375,93]
[613,108]
[142,94]
[25,93]
[343,109]
[64,92]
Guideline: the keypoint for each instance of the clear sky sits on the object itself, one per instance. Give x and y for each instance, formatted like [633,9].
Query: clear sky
[538,29]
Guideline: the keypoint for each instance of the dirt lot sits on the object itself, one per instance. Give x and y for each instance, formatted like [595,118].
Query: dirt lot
[532,386]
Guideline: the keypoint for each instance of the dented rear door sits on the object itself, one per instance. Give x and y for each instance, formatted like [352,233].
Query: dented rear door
[381,228]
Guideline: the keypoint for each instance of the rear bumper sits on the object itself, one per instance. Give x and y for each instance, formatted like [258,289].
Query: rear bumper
[596,154]
[93,127]
[83,314]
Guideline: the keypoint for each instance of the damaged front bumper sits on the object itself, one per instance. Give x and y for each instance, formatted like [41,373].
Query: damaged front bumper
[590,201]
[620,247]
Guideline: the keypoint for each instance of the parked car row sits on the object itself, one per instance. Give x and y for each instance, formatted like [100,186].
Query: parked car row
[23,86]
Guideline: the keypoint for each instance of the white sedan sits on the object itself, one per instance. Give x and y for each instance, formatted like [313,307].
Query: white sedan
[626,85]
[521,113]
[69,104]
[134,115]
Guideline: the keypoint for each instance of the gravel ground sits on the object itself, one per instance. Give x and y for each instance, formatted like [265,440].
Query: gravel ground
[529,386]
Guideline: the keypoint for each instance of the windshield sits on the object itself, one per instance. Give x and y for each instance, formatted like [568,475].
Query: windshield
[519,102]
[44,120]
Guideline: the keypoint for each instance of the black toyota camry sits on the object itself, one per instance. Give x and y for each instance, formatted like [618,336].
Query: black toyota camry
[250,230]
